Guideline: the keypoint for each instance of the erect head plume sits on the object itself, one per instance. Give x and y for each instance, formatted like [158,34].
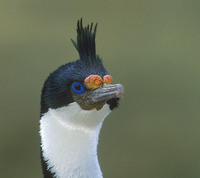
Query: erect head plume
[85,44]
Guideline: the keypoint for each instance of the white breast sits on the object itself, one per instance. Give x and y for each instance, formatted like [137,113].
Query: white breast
[69,138]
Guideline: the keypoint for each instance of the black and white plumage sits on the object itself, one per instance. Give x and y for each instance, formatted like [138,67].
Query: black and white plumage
[75,100]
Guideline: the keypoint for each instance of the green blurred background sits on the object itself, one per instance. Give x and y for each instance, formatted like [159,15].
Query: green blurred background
[152,47]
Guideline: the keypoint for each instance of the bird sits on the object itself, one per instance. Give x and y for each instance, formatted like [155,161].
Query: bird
[75,100]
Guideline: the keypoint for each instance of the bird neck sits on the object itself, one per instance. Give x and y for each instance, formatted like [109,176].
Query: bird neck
[69,138]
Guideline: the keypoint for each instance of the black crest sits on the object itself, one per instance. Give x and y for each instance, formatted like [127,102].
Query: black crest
[85,44]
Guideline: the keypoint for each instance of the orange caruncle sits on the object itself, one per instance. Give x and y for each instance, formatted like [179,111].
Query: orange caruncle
[93,81]
[107,79]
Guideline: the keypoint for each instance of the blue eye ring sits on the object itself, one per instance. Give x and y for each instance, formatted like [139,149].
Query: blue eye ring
[77,84]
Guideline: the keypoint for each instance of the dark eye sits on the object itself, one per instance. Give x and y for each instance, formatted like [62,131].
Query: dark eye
[77,87]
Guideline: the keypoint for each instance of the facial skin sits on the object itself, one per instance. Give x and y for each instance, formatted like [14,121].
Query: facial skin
[97,92]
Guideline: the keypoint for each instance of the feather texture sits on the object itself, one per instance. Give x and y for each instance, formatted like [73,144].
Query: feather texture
[85,44]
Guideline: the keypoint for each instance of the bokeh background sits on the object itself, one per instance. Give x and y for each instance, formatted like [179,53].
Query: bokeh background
[152,47]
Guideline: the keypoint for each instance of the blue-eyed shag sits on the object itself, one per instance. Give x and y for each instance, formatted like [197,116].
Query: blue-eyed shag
[75,100]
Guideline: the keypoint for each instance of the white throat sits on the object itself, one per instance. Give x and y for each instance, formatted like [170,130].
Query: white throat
[69,138]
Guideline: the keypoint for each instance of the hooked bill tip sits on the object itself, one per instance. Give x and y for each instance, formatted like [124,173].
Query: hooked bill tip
[120,89]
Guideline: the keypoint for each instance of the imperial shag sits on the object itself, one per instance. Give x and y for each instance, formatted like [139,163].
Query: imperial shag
[75,100]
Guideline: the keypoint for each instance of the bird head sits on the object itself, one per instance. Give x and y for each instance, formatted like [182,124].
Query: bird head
[85,81]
